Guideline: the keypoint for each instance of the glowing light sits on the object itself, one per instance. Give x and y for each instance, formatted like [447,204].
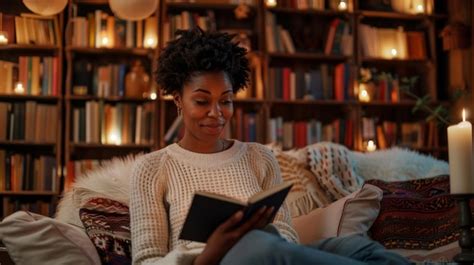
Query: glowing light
[153,96]
[342,6]
[371,146]
[19,89]
[270,3]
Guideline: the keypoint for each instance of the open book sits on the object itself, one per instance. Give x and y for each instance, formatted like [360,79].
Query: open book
[209,210]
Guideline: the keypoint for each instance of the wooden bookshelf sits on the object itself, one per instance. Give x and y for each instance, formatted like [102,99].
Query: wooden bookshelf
[261,107]
[44,98]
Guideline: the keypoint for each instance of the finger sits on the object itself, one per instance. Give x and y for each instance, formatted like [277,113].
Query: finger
[231,222]
[266,218]
[250,224]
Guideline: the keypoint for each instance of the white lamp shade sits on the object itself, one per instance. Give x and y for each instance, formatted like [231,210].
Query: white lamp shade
[45,8]
[133,10]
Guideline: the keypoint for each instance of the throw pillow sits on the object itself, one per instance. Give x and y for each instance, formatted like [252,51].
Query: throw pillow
[35,239]
[107,223]
[354,213]
[417,215]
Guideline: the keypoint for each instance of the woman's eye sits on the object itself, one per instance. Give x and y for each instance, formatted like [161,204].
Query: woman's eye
[227,102]
[201,102]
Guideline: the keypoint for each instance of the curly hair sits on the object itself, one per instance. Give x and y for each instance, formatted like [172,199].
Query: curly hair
[196,51]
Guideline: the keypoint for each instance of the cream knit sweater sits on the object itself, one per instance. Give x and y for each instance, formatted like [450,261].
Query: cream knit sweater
[163,185]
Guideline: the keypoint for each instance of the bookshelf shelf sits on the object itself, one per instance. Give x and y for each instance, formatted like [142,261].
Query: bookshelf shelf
[308,57]
[16,97]
[394,61]
[108,99]
[176,7]
[112,51]
[335,103]
[295,11]
[391,15]
[29,48]
[19,143]
[78,146]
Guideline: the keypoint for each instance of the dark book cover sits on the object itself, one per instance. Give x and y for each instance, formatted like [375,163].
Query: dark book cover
[208,211]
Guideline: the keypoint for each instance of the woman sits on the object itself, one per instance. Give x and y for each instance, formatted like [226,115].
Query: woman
[203,71]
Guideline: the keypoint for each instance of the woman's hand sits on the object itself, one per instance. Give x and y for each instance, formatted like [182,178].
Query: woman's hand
[228,234]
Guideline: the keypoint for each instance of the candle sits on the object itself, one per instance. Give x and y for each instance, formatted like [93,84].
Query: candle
[150,42]
[3,38]
[19,89]
[460,157]
[371,146]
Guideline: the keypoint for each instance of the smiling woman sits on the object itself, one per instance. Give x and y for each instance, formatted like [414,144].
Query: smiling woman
[203,71]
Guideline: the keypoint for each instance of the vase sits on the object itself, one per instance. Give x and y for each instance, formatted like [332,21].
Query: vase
[137,82]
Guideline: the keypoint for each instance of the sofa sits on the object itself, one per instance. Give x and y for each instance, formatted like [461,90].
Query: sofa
[393,196]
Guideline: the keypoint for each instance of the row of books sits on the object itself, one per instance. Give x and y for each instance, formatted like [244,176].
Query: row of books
[31,29]
[187,20]
[14,204]
[407,134]
[37,76]
[392,43]
[339,37]
[247,126]
[122,123]
[26,121]
[99,80]
[25,172]
[298,134]
[323,82]
[100,29]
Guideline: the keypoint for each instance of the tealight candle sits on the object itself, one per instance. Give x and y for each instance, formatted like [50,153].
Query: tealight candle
[342,6]
[363,94]
[371,146]
[19,89]
[460,156]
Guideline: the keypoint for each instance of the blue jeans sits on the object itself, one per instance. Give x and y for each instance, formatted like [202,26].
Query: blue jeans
[264,248]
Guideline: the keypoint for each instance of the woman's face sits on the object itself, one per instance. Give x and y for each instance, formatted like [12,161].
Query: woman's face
[207,105]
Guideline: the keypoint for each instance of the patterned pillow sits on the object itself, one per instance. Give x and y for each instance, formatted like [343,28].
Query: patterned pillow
[107,223]
[416,214]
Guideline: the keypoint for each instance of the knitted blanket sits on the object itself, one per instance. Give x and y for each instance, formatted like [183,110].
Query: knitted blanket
[325,172]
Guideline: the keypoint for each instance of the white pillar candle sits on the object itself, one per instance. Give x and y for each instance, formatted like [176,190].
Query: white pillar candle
[460,157]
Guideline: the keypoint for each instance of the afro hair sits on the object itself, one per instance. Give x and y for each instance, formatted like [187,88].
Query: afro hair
[196,51]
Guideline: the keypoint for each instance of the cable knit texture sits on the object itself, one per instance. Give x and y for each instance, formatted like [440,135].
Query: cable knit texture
[163,185]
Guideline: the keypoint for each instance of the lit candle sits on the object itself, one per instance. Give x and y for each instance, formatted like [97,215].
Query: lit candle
[419,8]
[3,38]
[153,96]
[371,146]
[104,39]
[460,157]
[342,5]
[271,3]
[363,94]
[19,89]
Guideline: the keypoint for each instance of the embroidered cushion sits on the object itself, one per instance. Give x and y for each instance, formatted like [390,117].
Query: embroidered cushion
[418,218]
[107,223]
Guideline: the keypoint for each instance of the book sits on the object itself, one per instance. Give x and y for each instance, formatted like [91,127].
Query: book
[209,210]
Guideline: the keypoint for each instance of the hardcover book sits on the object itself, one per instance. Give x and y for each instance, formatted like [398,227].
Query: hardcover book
[209,210]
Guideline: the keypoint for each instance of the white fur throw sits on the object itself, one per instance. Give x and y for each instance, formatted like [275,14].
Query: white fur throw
[111,180]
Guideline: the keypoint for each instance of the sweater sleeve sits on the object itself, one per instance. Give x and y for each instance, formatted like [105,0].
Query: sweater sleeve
[271,176]
[149,217]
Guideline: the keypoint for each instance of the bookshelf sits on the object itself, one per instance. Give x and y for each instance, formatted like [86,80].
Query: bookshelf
[109,107]
[304,87]
[30,95]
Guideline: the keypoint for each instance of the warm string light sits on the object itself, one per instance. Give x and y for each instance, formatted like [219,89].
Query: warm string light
[3,38]
[270,3]
[363,93]
[342,5]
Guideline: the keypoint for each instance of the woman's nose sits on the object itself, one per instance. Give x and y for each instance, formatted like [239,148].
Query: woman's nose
[215,111]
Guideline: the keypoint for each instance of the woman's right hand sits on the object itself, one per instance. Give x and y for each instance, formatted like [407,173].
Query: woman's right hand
[228,234]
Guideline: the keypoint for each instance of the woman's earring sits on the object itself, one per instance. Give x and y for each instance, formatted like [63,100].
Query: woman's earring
[180,112]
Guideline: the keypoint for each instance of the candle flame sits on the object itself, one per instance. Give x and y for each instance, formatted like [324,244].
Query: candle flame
[463,115]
